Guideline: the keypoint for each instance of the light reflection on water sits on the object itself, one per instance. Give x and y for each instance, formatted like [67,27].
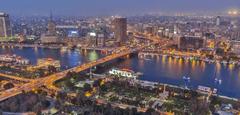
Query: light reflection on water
[160,69]
[171,70]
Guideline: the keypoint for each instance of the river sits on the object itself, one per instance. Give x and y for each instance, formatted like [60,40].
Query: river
[162,69]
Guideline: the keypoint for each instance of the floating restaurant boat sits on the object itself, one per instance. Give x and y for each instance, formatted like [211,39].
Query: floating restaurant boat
[124,73]
[209,60]
[177,57]
[14,59]
[64,49]
[147,59]
[224,62]
[164,55]
[206,90]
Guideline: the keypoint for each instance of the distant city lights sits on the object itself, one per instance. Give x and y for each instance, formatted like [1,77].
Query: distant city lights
[233,12]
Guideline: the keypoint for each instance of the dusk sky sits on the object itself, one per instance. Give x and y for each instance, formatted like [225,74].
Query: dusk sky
[113,7]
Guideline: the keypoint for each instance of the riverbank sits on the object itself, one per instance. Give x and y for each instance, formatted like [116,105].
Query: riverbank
[162,69]
[183,88]
[144,55]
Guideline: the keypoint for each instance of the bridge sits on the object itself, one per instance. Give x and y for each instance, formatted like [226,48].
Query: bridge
[97,48]
[49,80]
[12,45]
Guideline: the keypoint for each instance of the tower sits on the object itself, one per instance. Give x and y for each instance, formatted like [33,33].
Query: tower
[50,36]
[51,26]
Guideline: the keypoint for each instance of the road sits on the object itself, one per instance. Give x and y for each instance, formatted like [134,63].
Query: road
[15,78]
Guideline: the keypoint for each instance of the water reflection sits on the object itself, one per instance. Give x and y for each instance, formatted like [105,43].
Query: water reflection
[159,69]
[170,70]
[68,58]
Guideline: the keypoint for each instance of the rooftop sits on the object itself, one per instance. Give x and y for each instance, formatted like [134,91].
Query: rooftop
[3,14]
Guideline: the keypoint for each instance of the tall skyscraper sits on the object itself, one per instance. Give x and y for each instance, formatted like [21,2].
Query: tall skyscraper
[120,29]
[5,27]
[218,21]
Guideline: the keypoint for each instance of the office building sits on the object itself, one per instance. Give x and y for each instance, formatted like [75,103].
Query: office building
[218,21]
[120,29]
[235,47]
[5,27]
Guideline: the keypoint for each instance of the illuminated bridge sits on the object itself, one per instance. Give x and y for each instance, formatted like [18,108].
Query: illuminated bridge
[49,80]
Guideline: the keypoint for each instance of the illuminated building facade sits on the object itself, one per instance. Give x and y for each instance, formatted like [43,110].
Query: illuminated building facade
[190,42]
[235,47]
[120,29]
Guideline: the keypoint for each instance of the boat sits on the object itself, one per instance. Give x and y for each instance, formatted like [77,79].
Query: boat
[177,57]
[164,55]
[224,62]
[124,73]
[139,73]
[219,81]
[147,59]
[186,78]
[64,49]
[206,90]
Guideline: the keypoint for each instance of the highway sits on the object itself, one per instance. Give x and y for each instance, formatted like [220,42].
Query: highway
[15,78]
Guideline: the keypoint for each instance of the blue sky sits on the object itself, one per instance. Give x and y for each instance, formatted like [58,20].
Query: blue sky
[112,7]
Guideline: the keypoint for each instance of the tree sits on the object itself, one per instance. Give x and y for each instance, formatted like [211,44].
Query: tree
[8,86]
[150,111]
[61,96]
[199,106]
[87,87]
[109,110]
[215,100]
[52,69]
[97,83]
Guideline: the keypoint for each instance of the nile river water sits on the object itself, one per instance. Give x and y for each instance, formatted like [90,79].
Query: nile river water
[162,69]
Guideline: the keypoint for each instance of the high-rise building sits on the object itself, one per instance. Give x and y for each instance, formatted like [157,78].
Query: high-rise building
[235,47]
[218,21]
[120,29]
[5,27]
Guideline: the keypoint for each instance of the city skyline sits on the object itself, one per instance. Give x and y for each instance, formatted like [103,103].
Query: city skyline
[128,57]
[111,7]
